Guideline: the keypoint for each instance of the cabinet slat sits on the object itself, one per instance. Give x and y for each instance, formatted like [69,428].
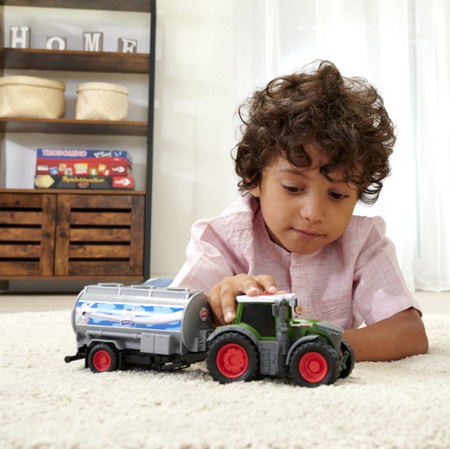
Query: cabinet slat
[101,202]
[20,218]
[99,252]
[99,235]
[9,270]
[20,251]
[12,200]
[100,218]
[20,234]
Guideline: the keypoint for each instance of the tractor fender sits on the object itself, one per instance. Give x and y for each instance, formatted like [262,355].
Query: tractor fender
[233,328]
[299,342]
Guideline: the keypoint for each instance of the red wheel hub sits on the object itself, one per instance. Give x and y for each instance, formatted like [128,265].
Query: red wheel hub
[313,367]
[102,360]
[232,360]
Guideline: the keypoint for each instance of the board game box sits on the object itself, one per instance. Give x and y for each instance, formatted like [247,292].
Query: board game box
[83,182]
[111,166]
[67,154]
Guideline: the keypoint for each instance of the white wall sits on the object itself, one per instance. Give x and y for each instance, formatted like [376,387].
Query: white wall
[196,99]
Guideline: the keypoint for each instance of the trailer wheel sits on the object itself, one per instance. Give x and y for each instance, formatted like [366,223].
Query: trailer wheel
[231,357]
[314,364]
[349,355]
[102,358]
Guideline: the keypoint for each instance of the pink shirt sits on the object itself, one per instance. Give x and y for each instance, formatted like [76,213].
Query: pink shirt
[354,279]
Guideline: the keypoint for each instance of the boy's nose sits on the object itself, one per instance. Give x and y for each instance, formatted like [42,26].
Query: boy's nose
[313,210]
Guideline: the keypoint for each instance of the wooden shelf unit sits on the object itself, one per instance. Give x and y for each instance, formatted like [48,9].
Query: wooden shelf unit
[101,235]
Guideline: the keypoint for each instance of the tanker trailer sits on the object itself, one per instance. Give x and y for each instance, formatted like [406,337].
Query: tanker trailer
[162,328]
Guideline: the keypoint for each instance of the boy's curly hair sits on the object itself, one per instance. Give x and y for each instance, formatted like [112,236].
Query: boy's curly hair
[345,116]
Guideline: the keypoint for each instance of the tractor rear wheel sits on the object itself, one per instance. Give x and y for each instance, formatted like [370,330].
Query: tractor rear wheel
[232,357]
[349,355]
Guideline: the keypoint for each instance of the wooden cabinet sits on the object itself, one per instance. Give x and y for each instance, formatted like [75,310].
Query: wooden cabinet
[66,235]
[73,234]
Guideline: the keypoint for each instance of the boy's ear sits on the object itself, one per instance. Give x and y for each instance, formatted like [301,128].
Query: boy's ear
[256,192]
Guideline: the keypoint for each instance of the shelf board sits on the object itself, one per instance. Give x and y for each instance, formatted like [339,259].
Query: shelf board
[98,278]
[104,5]
[74,191]
[72,60]
[71,126]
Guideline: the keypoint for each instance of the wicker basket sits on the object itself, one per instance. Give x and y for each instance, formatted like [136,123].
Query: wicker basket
[31,97]
[101,101]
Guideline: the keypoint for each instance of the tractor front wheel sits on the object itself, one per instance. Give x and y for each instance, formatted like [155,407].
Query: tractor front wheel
[231,357]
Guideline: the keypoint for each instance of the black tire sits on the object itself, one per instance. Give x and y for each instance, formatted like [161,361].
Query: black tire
[313,364]
[231,357]
[103,358]
[349,364]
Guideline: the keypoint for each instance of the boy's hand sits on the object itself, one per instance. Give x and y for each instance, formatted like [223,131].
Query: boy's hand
[222,297]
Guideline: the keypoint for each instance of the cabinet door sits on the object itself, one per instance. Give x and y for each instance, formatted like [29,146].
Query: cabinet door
[99,235]
[27,234]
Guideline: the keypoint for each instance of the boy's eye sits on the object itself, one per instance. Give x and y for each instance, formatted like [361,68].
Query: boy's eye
[292,189]
[338,196]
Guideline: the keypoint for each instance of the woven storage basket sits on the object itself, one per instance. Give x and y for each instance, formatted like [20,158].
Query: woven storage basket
[101,101]
[31,97]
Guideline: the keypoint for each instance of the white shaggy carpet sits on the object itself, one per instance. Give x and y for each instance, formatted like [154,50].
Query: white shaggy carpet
[46,403]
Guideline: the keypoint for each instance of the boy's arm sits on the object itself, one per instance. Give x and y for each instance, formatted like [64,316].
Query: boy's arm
[401,335]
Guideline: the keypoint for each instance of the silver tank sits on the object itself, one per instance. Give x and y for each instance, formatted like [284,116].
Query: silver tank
[152,320]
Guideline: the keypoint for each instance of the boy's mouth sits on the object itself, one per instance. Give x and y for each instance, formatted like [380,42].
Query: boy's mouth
[308,234]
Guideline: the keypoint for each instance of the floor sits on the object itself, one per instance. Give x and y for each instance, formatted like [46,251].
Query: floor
[20,302]
[433,302]
[26,302]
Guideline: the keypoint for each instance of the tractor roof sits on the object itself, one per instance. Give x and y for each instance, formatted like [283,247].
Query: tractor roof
[268,299]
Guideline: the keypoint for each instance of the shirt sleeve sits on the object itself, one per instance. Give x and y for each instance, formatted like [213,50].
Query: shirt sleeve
[379,289]
[209,257]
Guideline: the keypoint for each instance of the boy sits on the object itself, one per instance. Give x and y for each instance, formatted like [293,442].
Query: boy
[313,145]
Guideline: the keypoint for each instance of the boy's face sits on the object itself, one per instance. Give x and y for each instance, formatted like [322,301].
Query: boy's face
[302,209]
